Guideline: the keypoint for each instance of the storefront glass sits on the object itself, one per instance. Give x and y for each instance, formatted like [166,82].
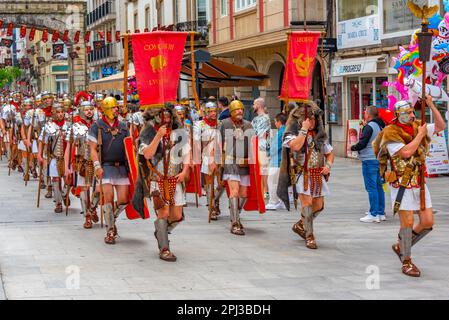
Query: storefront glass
[367,92]
[352,9]
[381,93]
[398,17]
[371,92]
[335,103]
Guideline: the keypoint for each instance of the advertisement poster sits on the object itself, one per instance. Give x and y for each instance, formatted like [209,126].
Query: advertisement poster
[437,162]
[353,132]
[358,32]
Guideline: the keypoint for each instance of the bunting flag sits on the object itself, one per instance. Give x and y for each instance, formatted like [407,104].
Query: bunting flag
[55,36]
[23,31]
[32,33]
[58,48]
[88,49]
[157,62]
[45,35]
[65,36]
[109,36]
[98,44]
[101,34]
[8,62]
[6,43]
[302,47]
[87,37]
[117,36]
[76,39]
[10,29]
[40,60]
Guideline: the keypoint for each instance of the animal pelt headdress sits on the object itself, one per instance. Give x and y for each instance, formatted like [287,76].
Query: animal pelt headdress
[152,118]
[293,126]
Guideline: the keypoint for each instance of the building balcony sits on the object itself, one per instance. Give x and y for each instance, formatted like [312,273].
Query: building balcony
[105,55]
[102,14]
[200,26]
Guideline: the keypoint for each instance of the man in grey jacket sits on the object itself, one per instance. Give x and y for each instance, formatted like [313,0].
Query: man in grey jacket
[370,166]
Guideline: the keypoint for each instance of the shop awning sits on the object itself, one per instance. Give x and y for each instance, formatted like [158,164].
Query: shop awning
[354,66]
[112,83]
[215,73]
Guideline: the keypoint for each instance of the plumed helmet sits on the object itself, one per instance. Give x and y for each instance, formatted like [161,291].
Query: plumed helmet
[235,105]
[107,105]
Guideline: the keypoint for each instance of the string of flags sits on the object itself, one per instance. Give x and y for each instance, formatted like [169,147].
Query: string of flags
[55,36]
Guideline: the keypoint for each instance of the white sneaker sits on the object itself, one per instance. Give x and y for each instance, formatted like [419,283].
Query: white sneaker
[280,206]
[370,218]
[271,206]
[382,217]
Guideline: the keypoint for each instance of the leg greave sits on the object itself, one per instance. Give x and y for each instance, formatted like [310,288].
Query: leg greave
[108,215]
[418,236]
[308,220]
[161,226]
[405,242]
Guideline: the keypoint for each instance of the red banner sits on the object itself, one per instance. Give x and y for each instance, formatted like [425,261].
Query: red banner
[32,33]
[157,62]
[65,36]
[1,23]
[117,36]
[76,39]
[55,36]
[109,36]
[9,30]
[87,37]
[101,34]
[300,63]
[45,35]
[23,31]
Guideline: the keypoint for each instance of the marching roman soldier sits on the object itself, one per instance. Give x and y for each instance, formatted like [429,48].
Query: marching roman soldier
[33,120]
[82,163]
[404,144]
[164,159]
[306,163]
[108,155]
[46,107]
[9,129]
[24,144]
[235,133]
[205,138]
[53,137]
[124,114]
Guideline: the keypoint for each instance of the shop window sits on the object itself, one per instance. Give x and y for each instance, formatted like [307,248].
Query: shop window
[367,93]
[244,4]
[335,103]
[352,9]
[381,93]
[398,17]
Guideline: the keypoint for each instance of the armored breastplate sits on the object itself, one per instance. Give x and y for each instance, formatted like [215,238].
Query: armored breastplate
[315,157]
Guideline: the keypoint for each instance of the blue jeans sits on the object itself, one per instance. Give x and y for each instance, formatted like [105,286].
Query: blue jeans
[373,185]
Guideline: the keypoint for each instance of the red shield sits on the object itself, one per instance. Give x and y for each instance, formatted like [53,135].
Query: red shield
[131,156]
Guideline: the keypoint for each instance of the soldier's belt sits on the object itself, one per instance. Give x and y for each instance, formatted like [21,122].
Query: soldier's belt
[114,164]
[242,162]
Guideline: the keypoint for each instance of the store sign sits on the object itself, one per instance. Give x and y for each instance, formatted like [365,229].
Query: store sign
[328,45]
[358,32]
[108,71]
[437,162]
[354,66]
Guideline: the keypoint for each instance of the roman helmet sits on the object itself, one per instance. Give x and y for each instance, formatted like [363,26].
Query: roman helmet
[27,102]
[85,105]
[107,105]
[209,107]
[38,100]
[57,107]
[401,111]
[235,105]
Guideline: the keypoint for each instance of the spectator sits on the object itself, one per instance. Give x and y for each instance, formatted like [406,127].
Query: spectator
[261,125]
[275,162]
[223,105]
[370,166]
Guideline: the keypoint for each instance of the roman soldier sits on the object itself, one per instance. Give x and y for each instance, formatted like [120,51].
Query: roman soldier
[307,159]
[124,115]
[82,164]
[164,159]
[404,144]
[33,120]
[23,143]
[108,155]
[205,139]
[52,142]
[235,134]
[181,112]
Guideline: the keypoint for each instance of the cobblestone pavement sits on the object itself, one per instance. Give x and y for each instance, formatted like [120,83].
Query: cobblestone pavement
[42,253]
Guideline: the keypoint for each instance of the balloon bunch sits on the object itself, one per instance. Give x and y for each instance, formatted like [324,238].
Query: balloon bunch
[410,68]
[133,95]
